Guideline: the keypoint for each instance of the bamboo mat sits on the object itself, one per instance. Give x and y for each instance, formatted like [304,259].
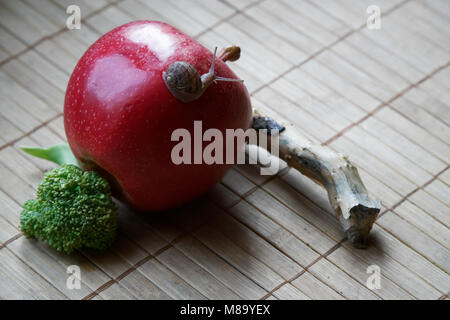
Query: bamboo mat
[380,96]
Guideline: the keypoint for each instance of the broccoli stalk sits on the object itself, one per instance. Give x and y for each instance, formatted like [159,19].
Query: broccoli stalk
[73,209]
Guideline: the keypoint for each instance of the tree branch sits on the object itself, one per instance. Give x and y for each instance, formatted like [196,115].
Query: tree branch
[348,196]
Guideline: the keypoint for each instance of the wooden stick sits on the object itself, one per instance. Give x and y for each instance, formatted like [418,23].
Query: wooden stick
[348,196]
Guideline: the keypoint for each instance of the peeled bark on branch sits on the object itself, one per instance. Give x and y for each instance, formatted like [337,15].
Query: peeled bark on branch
[348,196]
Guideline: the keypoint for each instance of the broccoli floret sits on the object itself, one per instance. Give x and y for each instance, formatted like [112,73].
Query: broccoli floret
[73,209]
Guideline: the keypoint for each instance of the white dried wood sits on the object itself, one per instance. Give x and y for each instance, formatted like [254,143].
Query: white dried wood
[128,250]
[7,230]
[50,11]
[283,30]
[222,196]
[295,92]
[16,161]
[237,182]
[420,116]
[340,281]
[339,83]
[15,187]
[225,273]
[374,166]
[319,16]
[410,258]
[440,191]
[20,27]
[10,289]
[395,271]
[28,251]
[431,205]
[300,22]
[306,208]
[372,68]
[381,54]
[430,103]
[346,261]
[335,102]
[403,144]
[314,288]
[217,7]
[142,288]
[294,223]
[300,118]
[196,10]
[358,77]
[66,60]
[38,85]
[115,292]
[253,244]
[406,45]
[195,275]
[136,229]
[168,281]
[243,67]
[26,277]
[415,133]
[87,7]
[8,131]
[108,19]
[391,158]
[255,49]
[426,223]
[24,98]
[335,9]
[275,234]
[108,262]
[238,258]
[176,17]
[9,43]
[257,30]
[19,117]
[289,292]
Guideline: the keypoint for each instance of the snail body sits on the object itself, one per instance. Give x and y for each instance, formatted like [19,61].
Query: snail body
[186,84]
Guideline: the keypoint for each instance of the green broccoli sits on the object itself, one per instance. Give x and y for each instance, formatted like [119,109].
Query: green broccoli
[73,209]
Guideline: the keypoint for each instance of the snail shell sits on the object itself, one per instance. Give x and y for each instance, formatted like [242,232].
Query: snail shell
[183,81]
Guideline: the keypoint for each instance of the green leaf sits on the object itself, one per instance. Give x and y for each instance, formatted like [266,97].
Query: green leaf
[59,153]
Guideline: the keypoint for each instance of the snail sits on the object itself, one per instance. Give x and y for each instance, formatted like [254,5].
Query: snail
[186,84]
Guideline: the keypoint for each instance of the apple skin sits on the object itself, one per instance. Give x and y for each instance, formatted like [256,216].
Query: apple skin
[119,115]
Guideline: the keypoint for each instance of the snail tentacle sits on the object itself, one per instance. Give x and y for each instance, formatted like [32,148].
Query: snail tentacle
[186,84]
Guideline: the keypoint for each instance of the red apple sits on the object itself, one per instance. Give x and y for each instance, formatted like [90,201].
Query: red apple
[119,114]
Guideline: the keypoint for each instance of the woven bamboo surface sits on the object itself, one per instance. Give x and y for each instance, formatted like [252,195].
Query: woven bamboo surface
[380,96]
